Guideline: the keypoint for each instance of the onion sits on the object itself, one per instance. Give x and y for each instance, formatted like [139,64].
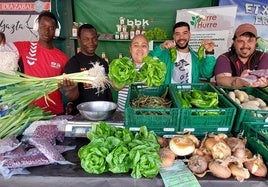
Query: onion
[209,143]
[240,153]
[181,146]
[197,164]
[193,138]
[248,153]
[256,166]
[235,143]
[220,150]
[239,173]
[219,169]
[163,142]
[167,157]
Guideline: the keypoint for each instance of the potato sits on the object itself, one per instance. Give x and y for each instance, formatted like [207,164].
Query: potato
[239,95]
[261,102]
[232,95]
[264,108]
[250,106]
[245,95]
[251,97]
[253,102]
[237,101]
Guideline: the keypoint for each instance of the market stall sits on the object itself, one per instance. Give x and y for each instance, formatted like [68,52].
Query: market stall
[74,175]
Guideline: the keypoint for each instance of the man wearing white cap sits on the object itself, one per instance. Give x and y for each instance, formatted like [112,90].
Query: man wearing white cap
[233,67]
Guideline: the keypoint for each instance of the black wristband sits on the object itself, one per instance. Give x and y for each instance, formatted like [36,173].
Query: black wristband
[210,52]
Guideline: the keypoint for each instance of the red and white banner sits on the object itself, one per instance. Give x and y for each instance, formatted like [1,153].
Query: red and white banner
[17,18]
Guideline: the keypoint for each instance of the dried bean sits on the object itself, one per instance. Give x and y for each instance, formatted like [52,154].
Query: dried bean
[8,143]
[49,132]
[48,150]
[25,161]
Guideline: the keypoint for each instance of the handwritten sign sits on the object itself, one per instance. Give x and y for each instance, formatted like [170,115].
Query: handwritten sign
[17,18]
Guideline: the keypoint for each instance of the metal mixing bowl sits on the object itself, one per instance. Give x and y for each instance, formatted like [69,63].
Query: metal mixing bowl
[97,110]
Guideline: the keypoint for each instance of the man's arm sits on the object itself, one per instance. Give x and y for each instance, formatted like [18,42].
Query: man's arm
[226,79]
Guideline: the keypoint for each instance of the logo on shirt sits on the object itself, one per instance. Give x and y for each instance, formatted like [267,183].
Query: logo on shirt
[55,65]
[31,58]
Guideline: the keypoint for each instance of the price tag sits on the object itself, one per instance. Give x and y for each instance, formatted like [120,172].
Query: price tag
[178,175]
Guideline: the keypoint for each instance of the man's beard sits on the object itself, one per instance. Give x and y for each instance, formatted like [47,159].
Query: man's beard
[181,47]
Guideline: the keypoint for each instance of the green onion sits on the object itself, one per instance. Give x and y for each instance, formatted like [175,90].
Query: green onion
[20,90]
[15,124]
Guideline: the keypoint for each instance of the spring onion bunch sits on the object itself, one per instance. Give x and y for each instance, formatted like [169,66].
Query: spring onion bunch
[21,90]
[15,124]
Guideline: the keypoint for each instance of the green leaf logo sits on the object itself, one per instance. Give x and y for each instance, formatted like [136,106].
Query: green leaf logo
[195,20]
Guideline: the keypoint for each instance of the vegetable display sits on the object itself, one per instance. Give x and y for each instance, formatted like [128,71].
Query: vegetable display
[151,101]
[218,154]
[118,150]
[123,72]
[198,99]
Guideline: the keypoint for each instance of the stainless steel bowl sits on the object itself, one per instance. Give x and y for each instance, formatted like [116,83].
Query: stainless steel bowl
[97,110]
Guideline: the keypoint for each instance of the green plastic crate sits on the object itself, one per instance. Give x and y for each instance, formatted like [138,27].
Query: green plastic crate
[163,121]
[257,142]
[200,125]
[247,115]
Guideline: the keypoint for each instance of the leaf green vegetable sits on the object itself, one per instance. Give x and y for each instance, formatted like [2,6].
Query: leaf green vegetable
[155,34]
[93,157]
[108,151]
[122,71]
[153,72]
[118,160]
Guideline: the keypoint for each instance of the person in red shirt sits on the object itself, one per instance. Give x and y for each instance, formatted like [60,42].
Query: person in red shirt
[42,59]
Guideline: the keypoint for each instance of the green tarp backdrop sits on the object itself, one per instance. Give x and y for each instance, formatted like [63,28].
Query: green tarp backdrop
[104,15]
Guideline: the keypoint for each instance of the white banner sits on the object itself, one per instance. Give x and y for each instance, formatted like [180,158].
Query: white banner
[17,18]
[214,23]
[254,12]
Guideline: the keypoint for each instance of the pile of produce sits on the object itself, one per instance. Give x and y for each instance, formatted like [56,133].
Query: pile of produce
[200,100]
[38,149]
[118,150]
[247,101]
[149,101]
[220,155]
[123,72]
[155,34]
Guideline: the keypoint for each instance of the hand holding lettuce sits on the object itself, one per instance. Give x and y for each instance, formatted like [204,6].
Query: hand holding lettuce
[123,72]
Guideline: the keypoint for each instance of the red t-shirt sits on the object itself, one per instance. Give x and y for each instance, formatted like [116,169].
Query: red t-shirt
[42,62]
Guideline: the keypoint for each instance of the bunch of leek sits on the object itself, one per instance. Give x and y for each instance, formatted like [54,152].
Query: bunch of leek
[20,90]
[15,124]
